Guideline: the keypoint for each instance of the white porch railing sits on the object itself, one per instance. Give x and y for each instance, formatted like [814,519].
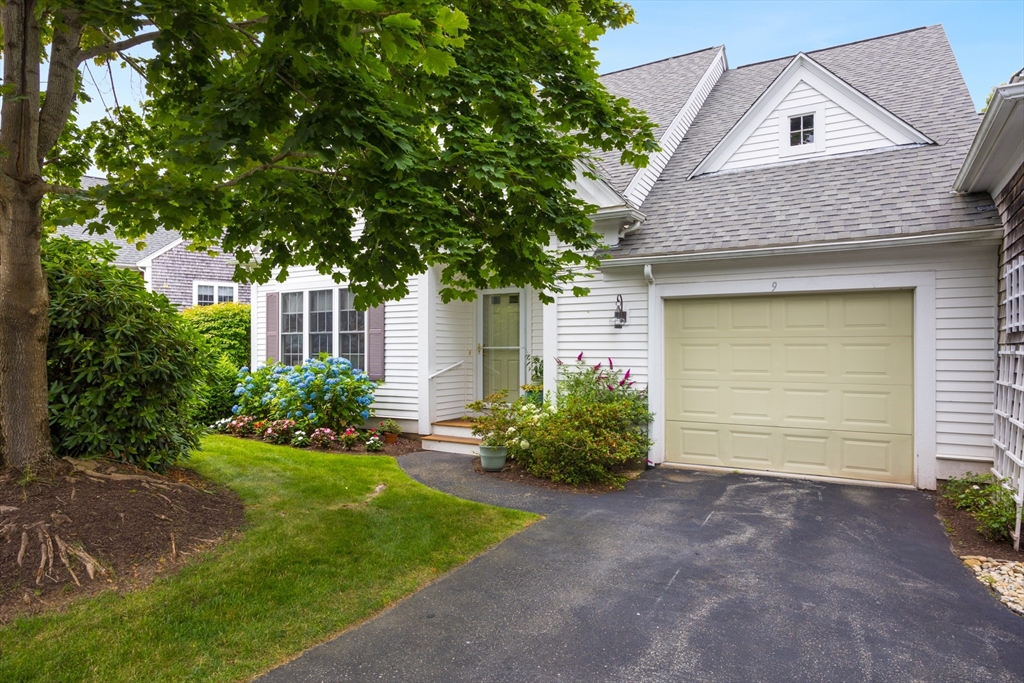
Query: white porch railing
[444,370]
[1009,428]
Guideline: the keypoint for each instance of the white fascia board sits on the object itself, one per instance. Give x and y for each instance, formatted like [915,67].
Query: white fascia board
[993,234]
[998,147]
[638,188]
[803,68]
[148,261]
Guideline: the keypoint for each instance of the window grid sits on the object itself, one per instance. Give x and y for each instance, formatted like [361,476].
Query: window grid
[225,294]
[291,328]
[321,322]
[801,130]
[204,295]
[351,331]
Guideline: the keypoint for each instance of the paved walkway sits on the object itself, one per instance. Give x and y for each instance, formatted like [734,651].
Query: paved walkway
[688,576]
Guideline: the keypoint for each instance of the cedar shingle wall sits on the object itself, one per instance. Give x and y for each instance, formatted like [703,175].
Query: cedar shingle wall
[1010,203]
[175,271]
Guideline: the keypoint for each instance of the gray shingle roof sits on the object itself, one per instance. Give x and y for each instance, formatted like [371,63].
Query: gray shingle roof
[128,254]
[900,191]
[660,89]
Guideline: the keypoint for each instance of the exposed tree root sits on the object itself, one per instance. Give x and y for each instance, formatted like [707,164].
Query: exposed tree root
[47,554]
[90,468]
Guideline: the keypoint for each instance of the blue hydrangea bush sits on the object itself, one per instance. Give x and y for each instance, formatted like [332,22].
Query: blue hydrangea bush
[322,392]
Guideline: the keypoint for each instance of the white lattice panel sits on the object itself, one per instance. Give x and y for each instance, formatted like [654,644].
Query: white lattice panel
[1009,420]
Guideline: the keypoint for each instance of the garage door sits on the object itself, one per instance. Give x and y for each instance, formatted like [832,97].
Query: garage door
[806,384]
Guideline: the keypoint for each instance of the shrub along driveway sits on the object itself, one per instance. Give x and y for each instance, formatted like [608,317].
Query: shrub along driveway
[695,577]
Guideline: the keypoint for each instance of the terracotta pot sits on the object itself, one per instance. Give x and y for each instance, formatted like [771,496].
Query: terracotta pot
[391,438]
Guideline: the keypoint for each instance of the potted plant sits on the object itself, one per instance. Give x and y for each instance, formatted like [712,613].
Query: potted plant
[390,429]
[496,427]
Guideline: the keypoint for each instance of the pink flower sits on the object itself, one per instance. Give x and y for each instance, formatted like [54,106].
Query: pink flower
[627,374]
[580,357]
[611,388]
[610,364]
[597,367]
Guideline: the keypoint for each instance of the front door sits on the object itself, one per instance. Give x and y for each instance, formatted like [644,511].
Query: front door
[501,345]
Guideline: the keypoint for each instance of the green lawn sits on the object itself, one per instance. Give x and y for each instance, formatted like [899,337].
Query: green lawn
[304,569]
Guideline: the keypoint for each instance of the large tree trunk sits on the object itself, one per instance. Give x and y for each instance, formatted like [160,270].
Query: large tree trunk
[24,301]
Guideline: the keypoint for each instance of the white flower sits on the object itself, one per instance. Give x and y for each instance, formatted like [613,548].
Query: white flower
[524,444]
[511,430]
[976,487]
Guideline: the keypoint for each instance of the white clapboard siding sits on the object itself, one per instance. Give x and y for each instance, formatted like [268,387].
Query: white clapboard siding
[397,398]
[454,341]
[965,321]
[583,323]
[844,132]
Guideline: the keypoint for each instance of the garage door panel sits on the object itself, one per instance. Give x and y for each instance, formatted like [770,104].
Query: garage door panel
[818,384]
[864,360]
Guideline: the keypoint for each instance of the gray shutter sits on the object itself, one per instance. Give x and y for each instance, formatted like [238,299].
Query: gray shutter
[273,327]
[375,342]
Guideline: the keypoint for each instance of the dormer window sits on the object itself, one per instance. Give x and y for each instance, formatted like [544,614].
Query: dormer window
[801,130]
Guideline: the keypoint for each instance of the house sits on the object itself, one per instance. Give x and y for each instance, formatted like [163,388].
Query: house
[995,164]
[800,288]
[186,278]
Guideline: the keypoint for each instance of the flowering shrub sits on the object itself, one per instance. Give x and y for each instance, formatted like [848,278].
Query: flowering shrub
[322,437]
[601,424]
[988,501]
[322,392]
[301,439]
[374,444]
[349,438]
[496,423]
[241,425]
[280,432]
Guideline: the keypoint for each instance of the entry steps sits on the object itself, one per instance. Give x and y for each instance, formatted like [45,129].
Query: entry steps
[452,436]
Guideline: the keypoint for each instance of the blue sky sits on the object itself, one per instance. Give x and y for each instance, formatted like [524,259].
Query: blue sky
[987,35]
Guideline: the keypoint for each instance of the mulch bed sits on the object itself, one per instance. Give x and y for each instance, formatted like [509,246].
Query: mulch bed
[964,536]
[135,525]
[514,472]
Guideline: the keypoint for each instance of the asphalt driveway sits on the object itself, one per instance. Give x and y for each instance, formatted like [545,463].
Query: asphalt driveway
[689,576]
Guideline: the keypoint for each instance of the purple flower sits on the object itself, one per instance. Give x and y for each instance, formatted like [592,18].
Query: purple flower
[611,388]
[627,374]
[610,364]
[597,367]
[580,357]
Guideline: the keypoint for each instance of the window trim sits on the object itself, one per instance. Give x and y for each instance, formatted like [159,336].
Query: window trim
[818,146]
[215,284]
[335,331]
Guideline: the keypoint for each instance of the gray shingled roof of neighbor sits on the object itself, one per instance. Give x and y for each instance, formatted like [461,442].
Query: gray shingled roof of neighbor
[660,89]
[901,191]
[128,253]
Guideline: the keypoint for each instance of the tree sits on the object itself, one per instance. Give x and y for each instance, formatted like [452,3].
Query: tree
[451,128]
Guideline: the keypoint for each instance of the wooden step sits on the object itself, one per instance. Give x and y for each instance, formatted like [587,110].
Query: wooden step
[470,440]
[468,424]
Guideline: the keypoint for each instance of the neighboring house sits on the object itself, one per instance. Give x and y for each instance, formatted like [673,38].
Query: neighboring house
[995,164]
[803,291]
[185,277]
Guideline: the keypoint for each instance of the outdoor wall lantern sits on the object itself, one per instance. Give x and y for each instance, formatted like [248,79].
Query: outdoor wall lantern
[619,317]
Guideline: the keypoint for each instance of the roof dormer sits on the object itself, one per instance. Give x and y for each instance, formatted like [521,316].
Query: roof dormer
[808,112]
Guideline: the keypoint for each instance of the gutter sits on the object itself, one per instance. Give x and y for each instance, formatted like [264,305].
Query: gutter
[988,136]
[987,234]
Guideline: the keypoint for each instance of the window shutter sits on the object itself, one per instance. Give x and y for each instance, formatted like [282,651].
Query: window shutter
[273,323]
[375,342]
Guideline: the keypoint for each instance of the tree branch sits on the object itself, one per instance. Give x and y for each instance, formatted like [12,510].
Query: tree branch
[275,163]
[62,81]
[116,46]
[59,189]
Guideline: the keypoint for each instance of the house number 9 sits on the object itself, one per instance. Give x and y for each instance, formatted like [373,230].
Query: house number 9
[774,285]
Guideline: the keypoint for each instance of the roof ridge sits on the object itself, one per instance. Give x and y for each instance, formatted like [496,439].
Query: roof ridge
[833,47]
[659,61]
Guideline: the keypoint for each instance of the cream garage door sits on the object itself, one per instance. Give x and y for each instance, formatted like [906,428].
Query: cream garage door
[816,384]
